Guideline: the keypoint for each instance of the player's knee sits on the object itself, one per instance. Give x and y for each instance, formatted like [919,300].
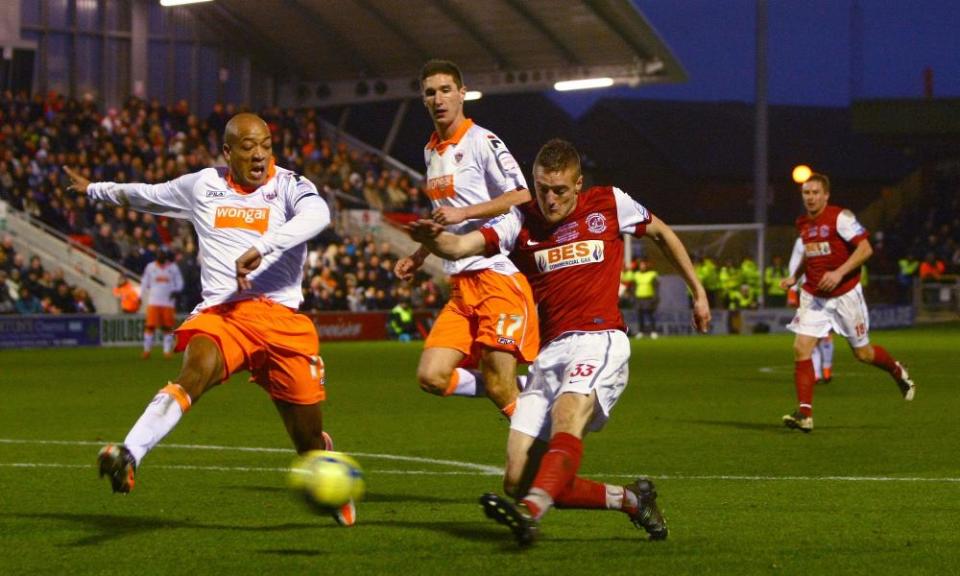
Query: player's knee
[864,354]
[202,366]
[433,382]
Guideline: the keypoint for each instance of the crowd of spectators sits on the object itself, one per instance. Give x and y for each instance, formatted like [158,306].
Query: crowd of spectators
[149,142]
[26,287]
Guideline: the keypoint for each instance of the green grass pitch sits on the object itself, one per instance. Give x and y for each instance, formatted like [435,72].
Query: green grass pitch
[875,489]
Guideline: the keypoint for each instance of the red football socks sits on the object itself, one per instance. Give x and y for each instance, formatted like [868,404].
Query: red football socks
[557,471]
[583,493]
[804,379]
[883,359]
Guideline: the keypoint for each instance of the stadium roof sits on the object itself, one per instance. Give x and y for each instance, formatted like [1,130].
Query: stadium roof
[326,51]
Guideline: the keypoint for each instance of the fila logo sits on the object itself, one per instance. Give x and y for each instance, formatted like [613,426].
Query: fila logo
[572,254]
[257,219]
[215,194]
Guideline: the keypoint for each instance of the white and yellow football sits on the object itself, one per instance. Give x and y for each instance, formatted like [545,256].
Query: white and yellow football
[326,479]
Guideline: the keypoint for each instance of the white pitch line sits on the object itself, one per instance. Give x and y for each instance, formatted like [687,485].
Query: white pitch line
[470,468]
[482,468]
[682,477]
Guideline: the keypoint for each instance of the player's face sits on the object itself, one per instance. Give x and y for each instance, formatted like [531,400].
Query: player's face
[814,197]
[557,191]
[442,98]
[248,153]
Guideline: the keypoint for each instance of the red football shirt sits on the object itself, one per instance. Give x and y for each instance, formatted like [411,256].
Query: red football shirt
[573,266]
[828,241]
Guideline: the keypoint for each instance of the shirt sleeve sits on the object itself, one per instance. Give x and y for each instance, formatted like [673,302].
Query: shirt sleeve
[147,278]
[632,216]
[174,198]
[849,228]
[796,257]
[501,171]
[500,233]
[310,216]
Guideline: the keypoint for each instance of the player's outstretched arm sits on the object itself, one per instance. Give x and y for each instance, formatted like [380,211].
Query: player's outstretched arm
[78,182]
[432,237]
[448,215]
[172,198]
[671,246]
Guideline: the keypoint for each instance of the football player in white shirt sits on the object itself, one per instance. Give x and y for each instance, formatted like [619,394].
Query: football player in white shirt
[252,221]
[491,318]
[160,283]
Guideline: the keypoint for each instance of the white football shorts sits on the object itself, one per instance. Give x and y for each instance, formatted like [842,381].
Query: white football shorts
[578,362]
[846,315]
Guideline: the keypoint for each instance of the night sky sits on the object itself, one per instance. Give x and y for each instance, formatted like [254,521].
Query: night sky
[812,53]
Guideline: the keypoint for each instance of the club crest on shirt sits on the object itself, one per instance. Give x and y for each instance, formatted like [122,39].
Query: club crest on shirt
[458,157]
[567,232]
[824,231]
[270,194]
[596,223]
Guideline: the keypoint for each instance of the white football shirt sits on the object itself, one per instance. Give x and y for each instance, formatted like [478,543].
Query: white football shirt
[277,219]
[159,283]
[472,167]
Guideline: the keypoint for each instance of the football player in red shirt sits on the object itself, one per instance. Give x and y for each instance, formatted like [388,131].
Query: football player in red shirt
[569,244]
[835,246]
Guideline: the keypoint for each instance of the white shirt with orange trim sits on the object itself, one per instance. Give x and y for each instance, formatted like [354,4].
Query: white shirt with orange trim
[159,283]
[471,167]
[277,219]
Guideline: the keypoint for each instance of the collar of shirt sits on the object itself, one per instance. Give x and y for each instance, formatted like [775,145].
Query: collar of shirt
[439,145]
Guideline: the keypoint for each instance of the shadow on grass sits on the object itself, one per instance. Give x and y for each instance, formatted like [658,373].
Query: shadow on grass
[777,426]
[106,527]
[291,552]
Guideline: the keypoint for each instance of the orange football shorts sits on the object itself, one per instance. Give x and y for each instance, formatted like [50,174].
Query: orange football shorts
[279,347]
[159,317]
[488,309]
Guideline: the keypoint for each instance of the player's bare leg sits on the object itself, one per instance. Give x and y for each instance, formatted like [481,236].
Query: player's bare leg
[202,369]
[524,453]
[304,424]
[499,369]
[804,379]
[879,357]
[436,368]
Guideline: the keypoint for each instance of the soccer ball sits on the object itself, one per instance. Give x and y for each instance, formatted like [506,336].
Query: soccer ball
[326,480]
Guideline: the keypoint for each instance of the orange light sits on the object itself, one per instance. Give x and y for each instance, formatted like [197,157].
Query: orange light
[801,173]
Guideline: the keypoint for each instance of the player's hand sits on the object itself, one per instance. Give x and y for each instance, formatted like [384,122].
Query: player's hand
[423,231]
[787,282]
[829,281]
[701,315]
[447,215]
[405,267]
[247,263]
[77,182]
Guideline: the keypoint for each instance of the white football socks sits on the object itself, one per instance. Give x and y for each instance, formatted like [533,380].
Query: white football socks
[168,343]
[159,418]
[469,383]
[817,359]
[147,342]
